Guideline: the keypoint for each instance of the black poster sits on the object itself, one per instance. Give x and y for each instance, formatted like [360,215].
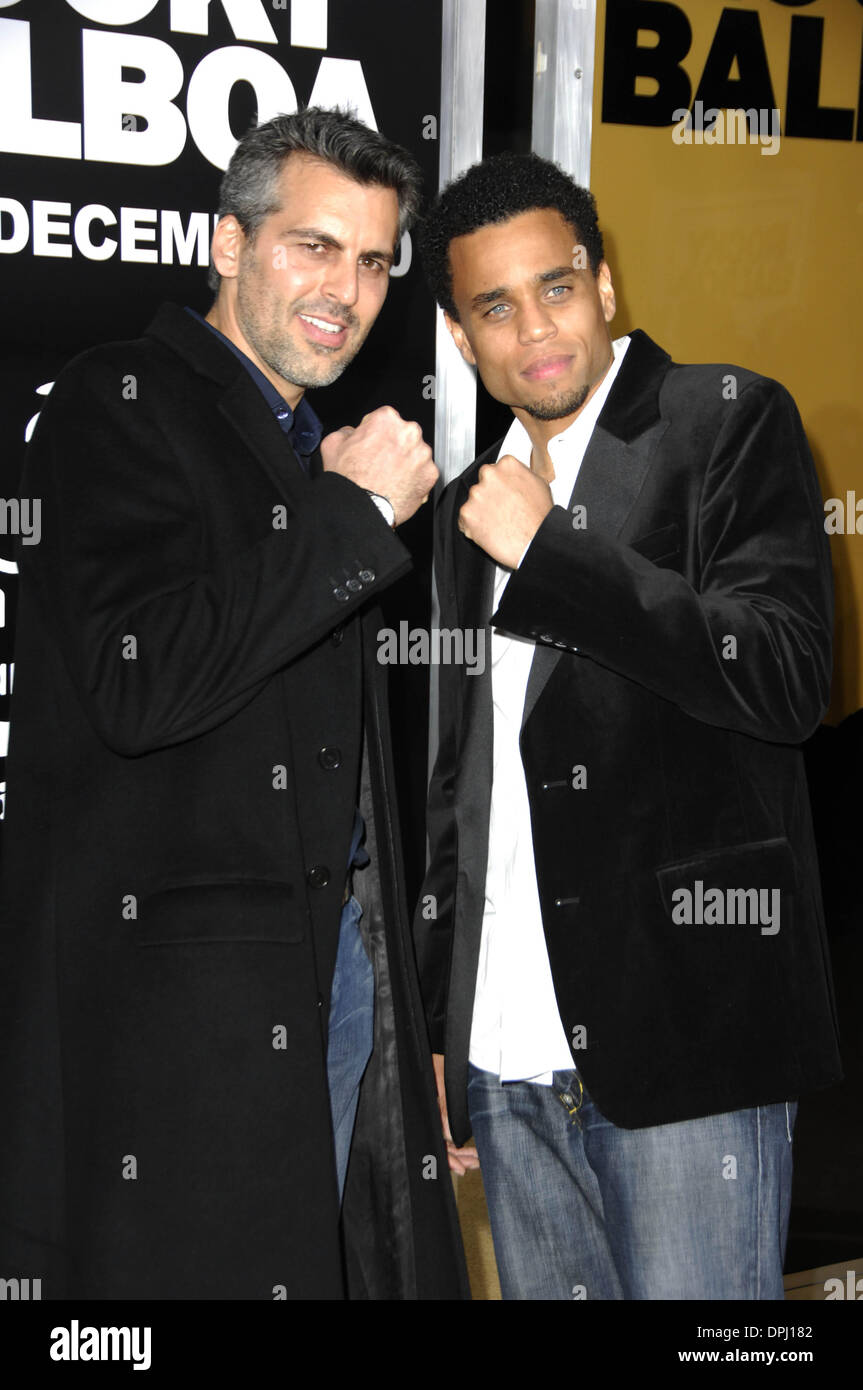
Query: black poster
[117,118]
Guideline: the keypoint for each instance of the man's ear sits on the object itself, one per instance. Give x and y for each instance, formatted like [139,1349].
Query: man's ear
[606,291]
[459,337]
[228,241]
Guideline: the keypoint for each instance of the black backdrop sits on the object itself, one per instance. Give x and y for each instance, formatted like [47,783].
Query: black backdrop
[58,300]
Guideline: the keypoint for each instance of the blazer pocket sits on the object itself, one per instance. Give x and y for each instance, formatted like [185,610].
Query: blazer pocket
[659,545]
[742,874]
[238,910]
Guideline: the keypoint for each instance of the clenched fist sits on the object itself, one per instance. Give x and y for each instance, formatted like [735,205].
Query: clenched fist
[384,454]
[505,509]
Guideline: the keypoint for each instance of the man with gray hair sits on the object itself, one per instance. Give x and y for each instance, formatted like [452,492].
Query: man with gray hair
[210,1004]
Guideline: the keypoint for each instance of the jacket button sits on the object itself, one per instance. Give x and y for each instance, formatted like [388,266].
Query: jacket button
[318,876]
[354,585]
[337,636]
[341,594]
[330,758]
[367,576]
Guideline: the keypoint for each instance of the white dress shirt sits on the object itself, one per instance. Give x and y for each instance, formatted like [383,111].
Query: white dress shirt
[517,1032]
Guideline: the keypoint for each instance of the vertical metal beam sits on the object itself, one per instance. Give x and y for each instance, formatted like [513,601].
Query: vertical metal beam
[460,145]
[564,43]
[462,89]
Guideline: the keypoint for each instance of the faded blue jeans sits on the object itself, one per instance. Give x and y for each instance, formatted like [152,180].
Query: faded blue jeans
[351,1031]
[581,1209]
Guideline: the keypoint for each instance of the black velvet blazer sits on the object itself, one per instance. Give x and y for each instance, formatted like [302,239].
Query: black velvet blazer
[698,594]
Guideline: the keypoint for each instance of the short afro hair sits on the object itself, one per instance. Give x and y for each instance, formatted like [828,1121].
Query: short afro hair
[495,190]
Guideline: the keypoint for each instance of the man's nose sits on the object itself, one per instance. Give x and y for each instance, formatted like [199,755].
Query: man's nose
[535,324]
[341,282]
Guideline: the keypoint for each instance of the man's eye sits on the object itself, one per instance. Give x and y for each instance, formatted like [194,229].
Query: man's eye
[371,263]
[558,290]
[314,246]
[493,311]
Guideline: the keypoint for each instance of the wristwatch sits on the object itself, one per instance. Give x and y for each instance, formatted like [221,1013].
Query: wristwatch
[384,506]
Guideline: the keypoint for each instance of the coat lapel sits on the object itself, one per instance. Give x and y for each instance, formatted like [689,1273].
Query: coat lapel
[241,403]
[246,410]
[614,467]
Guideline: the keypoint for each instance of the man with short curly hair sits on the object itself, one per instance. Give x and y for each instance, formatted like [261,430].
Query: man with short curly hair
[626,968]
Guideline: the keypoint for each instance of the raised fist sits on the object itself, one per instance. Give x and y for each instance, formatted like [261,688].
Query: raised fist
[384,454]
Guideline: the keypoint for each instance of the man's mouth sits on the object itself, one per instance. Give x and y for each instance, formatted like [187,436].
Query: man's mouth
[545,367]
[324,330]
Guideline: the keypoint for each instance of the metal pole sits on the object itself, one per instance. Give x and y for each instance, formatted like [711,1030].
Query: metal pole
[460,131]
[564,43]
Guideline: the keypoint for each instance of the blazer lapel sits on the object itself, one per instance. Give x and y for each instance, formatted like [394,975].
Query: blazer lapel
[474,578]
[614,467]
[474,583]
[474,570]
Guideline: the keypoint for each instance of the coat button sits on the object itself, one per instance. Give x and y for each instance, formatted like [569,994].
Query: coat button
[337,636]
[330,758]
[341,594]
[367,576]
[318,876]
[354,585]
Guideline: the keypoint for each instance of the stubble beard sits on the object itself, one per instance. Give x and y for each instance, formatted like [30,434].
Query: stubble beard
[308,366]
[557,407]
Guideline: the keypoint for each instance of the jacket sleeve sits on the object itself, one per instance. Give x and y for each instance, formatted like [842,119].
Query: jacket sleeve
[162,645]
[749,648]
[433,923]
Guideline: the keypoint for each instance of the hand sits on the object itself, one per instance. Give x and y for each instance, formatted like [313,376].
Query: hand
[384,454]
[460,1160]
[505,509]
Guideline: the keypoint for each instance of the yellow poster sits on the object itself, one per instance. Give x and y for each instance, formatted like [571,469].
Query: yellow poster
[739,238]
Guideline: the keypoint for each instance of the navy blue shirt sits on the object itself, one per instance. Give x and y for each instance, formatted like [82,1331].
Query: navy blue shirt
[304,431]
[302,425]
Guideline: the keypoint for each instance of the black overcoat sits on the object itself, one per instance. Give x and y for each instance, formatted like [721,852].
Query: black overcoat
[198,709]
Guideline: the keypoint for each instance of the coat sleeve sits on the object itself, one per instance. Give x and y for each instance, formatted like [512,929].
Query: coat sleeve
[433,923]
[162,643]
[749,648]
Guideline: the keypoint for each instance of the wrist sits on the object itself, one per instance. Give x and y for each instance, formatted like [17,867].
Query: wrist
[384,506]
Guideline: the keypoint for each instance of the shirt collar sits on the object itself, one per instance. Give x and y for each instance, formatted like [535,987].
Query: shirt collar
[517,441]
[302,423]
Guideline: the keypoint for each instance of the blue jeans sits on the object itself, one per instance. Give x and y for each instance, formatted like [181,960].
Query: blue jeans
[582,1209]
[351,1031]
